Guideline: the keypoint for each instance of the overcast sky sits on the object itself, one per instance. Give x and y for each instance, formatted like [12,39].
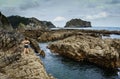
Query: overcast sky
[98,12]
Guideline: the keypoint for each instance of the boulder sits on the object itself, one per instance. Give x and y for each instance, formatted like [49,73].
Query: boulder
[35,45]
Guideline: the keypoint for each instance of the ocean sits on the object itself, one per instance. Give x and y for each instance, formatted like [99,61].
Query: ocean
[64,68]
[95,28]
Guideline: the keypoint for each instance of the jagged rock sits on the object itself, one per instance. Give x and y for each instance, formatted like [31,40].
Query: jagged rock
[4,23]
[103,52]
[14,64]
[54,35]
[3,76]
[78,23]
[9,40]
[29,23]
[36,47]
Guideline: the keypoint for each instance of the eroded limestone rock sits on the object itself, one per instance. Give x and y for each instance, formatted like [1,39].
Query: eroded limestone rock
[14,64]
[104,53]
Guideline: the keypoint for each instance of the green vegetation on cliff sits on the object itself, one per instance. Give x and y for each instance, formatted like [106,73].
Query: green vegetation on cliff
[29,22]
[16,20]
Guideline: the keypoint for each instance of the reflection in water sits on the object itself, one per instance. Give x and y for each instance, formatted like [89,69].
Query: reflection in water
[112,36]
[64,68]
[118,72]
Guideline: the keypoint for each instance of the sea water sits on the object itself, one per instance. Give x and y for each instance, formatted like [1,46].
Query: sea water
[94,28]
[64,68]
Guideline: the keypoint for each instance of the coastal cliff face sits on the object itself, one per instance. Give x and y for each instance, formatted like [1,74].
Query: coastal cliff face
[31,23]
[104,53]
[16,65]
[4,23]
[78,23]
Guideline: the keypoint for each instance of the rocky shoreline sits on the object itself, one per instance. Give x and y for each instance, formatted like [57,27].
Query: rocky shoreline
[16,65]
[79,45]
[54,35]
[82,45]
[104,53]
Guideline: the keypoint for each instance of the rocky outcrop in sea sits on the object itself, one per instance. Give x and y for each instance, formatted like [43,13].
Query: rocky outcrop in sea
[78,23]
[102,52]
[16,65]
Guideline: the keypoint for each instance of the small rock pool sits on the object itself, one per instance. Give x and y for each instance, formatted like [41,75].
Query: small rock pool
[64,68]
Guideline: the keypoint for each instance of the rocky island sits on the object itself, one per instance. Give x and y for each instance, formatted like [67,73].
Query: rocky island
[78,23]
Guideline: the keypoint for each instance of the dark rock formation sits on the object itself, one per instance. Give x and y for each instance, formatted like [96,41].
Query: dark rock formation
[4,23]
[78,23]
[104,53]
[35,46]
[31,23]
[49,24]
[16,65]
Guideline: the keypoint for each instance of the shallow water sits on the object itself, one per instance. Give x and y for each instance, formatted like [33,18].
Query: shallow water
[63,68]
[113,36]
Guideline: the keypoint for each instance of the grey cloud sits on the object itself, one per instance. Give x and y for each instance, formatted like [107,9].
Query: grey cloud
[49,9]
[9,11]
[41,4]
[113,10]
[113,2]
[92,6]
[29,5]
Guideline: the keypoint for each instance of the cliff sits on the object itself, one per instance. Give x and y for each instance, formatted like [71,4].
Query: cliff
[49,24]
[31,23]
[4,23]
[78,23]
[16,65]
